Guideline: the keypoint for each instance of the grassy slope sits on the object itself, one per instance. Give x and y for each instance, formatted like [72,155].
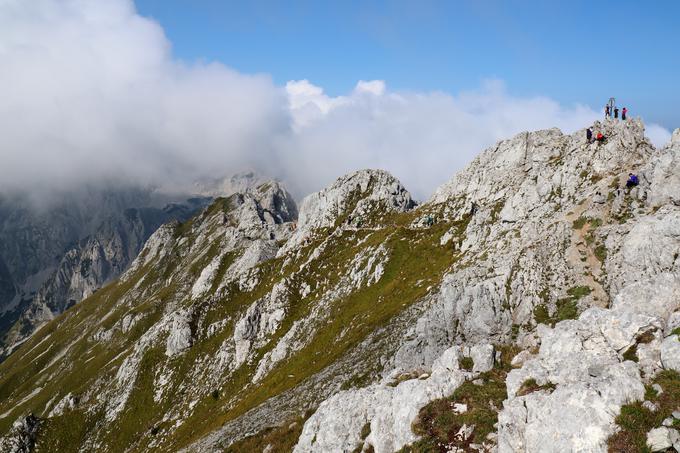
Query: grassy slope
[416,263]
[438,424]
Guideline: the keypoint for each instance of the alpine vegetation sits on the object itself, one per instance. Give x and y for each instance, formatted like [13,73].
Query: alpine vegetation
[531,305]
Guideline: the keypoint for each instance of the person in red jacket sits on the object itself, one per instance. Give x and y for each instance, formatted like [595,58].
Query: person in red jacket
[624,112]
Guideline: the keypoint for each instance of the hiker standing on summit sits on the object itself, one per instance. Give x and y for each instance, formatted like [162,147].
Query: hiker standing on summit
[624,112]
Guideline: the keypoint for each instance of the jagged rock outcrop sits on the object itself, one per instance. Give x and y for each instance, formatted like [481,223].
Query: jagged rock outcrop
[664,180]
[21,438]
[353,199]
[663,438]
[584,360]
[241,182]
[387,410]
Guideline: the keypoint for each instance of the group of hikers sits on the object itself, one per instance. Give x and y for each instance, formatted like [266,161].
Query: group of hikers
[613,112]
[598,138]
[610,111]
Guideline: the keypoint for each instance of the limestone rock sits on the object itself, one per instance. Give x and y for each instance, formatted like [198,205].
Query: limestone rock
[390,411]
[535,244]
[68,402]
[660,439]
[483,357]
[179,336]
[670,353]
[355,197]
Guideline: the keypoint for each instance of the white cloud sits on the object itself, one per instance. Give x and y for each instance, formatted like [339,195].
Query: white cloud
[374,87]
[659,135]
[91,91]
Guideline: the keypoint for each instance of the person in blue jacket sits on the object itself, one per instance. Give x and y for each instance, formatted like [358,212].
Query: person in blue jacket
[632,180]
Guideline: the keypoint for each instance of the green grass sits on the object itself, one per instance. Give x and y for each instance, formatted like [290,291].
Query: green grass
[416,264]
[281,439]
[631,354]
[594,222]
[466,363]
[65,433]
[361,312]
[437,424]
[530,386]
[636,421]
[601,253]
[85,362]
[357,381]
[580,223]
[565,308]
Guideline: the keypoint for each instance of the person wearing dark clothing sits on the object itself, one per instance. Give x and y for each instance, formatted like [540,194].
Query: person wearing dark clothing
[606,111]
[616,112]
[589,135]
[632,181]
[624,112]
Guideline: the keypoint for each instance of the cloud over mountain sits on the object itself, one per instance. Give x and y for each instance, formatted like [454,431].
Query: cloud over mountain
[91,91]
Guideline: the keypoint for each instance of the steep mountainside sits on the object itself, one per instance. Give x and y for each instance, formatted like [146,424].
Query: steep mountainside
[59,254]
[533,297]
[7,289]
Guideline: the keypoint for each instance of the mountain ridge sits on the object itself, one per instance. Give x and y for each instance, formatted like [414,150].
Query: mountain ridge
[368,310]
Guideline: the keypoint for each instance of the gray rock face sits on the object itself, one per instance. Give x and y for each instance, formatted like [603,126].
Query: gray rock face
[670,353]
[582,358]
[355,198]
[81,269]
[179,336]
[660,439]
[21,438]
[665,181]
[389,411]
[522,251]
[7,289]
[587,374]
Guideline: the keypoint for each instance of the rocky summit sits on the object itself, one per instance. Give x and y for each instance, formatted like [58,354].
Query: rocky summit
[531,305]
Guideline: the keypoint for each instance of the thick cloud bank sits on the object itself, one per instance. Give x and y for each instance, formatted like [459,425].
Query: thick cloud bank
[90,91]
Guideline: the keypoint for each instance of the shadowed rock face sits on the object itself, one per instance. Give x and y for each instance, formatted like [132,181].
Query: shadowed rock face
[93,253]
[338,328]
[7,290]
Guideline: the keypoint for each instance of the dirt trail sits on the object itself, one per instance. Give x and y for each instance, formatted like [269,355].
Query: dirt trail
[582,258]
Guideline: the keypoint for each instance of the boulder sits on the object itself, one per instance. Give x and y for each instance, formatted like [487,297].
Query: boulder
[670,353]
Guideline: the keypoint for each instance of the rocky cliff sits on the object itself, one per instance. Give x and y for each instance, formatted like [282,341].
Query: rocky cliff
[62,253]
[533,297]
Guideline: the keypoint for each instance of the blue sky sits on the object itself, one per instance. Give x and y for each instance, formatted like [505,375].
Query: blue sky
[573,52]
